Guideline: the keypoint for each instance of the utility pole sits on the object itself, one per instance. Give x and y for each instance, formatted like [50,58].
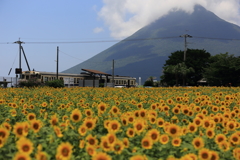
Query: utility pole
[113,74]
[19,70]
[185,44]
[57,60]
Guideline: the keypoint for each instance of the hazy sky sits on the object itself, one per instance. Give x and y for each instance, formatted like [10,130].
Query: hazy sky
[85,21]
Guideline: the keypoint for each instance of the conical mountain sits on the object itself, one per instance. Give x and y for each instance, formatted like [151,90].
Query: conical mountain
[144,53]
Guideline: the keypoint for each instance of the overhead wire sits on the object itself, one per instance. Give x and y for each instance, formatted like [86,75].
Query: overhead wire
[127,39]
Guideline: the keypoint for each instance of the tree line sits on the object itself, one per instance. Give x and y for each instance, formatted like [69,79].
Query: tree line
[200,68]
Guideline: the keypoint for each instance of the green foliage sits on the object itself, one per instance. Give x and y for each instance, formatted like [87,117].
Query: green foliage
[223,69]
[179,70]
[149,82]
[55,83]
[195,58]
[32,82]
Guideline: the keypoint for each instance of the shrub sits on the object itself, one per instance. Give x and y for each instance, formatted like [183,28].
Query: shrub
[32,82]
[55,83]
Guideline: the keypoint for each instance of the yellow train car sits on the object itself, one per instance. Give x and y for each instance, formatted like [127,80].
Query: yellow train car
[88,78]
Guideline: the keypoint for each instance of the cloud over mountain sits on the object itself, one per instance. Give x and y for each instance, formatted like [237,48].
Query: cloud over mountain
[125,17]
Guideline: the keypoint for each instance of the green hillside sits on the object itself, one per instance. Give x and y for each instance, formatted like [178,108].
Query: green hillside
[144,53]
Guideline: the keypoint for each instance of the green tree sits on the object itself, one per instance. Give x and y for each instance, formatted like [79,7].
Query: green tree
[222,70]
[149,82]
[195,58]
[179,70]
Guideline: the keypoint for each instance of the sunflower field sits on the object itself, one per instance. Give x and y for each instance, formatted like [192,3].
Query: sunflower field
[179,123]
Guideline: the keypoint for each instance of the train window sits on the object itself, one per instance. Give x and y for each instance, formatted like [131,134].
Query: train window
[22,76]
[45,79]
[78,79]
[27,77]
[125,82]
[61,78]
[75,80]
[116,81]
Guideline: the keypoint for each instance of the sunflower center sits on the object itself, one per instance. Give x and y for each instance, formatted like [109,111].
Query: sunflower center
[197,143]
[176,111]
[176,141]
[231,126]
[105,145]
[130,119]
[21,158]
[205,156]
[31,117]
[111,139]
[65,152]
[142,114]
[154,136]
[25,148]
[235,139]
[88,113]
[210,133]
[54,122]
[92,141]
[20,131]
[102,108]
[145,143]
[164,139]
[131,132]
[114,126]
[124,122]
[76,117]
[115,110]
[160,123]
[117,147]
[2,134]
[83,130]
[89,125]
[206,124]
[173,131]
[153,119]
[220,139]
[139,127]
[35,126]
[192,128]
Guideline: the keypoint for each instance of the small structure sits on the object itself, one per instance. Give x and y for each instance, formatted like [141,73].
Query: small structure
[92,75]
[4,83]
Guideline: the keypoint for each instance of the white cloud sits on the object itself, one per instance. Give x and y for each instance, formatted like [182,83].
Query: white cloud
[97,30]
[124,17]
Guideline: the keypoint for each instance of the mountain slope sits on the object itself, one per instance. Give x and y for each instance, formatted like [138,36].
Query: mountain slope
[144,53]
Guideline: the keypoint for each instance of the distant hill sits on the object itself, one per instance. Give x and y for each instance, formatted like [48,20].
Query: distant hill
[144,53]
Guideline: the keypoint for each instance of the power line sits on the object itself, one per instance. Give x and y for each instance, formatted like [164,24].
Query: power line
[217,38]
[105,41]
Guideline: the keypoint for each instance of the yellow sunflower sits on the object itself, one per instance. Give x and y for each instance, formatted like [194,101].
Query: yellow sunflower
[153,134]
[114,126]
[101,156]
[36,125]
[25,145]
[198,143]
[64,150]
[21,156]
[147,143]
[76,115]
